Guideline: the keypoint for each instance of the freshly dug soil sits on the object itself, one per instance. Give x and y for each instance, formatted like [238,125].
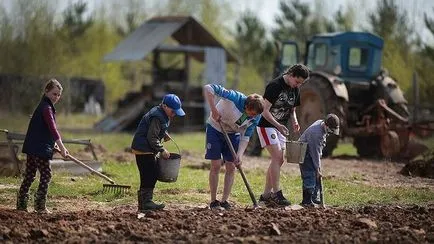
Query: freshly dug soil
[423,167]
[390,224]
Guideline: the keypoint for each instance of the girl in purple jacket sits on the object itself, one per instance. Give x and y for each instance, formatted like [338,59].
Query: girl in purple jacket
[41,137]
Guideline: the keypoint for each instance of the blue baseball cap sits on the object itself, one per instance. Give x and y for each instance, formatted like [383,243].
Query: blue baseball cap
[172,101]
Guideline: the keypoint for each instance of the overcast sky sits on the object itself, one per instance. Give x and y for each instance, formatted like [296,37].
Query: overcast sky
[267,9]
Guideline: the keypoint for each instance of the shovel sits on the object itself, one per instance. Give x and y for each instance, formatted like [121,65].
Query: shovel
[234,155]
[321,193]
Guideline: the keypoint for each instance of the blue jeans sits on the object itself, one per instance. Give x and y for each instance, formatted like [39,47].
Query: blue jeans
[309,174]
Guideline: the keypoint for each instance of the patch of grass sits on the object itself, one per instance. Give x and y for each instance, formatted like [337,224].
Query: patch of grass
[19,122]
[345,149]
[192,188]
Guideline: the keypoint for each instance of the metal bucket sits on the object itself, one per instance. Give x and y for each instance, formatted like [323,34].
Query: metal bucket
[295,151]
[168,169]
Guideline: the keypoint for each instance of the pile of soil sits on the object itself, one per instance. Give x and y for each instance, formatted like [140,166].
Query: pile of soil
[423,167]
[392,224]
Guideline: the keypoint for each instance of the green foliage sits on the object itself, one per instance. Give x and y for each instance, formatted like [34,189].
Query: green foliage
[391,23]
[397,64]
[345,19]
[298,22]
[74,21]
[38,38]
[253,46]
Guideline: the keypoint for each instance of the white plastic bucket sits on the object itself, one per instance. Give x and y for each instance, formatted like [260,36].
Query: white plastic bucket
[168,169]
[295,151]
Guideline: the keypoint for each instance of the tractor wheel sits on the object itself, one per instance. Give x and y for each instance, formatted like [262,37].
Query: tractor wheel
[389,145]
[254,147]
[367,146]
[317,100]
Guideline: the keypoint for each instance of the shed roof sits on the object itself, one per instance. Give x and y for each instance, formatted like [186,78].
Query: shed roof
[151,35]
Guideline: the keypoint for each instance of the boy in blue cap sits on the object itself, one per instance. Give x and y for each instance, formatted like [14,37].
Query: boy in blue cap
[147,143]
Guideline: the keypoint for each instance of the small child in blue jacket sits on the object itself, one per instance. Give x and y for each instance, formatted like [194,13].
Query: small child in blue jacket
[147,143]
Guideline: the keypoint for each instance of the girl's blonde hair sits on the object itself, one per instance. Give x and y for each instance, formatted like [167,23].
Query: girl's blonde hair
[51,83]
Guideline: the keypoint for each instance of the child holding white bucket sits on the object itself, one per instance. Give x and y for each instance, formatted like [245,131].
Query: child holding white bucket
[239,115]
[147,143]
[315,136]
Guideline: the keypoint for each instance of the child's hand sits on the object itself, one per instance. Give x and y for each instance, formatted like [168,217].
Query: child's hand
[295,126]
[215,114]
[237,161]
[64,152]
[166,137]
[318,173]
[165,154]
[283,130]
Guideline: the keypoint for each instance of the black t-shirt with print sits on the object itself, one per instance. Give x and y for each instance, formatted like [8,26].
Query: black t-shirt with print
[282,98]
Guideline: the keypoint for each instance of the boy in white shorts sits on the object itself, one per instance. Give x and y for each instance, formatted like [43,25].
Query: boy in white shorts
[281,97]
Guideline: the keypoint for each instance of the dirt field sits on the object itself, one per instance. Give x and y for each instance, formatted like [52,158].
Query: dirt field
[89,222]
[392,224]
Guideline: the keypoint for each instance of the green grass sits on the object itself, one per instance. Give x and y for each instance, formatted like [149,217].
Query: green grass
[192,188]
[345,148]
[192,184]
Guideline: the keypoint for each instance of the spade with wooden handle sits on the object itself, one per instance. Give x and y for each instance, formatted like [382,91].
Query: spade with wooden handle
[234,155]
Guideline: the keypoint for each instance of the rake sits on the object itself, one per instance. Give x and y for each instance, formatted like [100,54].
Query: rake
[112,187]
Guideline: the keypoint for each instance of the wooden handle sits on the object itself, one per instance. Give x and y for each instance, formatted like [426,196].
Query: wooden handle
[234,155]
[86,166]
[321,194]
[90,169]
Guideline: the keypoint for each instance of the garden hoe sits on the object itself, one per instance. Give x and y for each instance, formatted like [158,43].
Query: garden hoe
[112,187]
[234,155]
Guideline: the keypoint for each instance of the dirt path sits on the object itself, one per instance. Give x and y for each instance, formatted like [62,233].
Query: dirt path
[94,222]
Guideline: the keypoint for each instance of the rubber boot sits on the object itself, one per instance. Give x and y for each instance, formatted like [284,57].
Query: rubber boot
[22,201]
[316,196]
[139,201]
[307,198]
[40,204]
[146,195]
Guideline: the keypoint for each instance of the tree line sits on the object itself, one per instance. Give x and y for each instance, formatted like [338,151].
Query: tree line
[39,38]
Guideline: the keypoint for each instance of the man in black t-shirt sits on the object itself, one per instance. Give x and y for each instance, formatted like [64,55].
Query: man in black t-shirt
[281,97]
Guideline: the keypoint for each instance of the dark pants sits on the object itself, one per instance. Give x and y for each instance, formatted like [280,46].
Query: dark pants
[308,172]
[309,175]
[147,164]
[33,164]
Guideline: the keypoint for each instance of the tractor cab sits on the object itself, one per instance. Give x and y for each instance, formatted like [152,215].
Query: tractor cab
[353,56]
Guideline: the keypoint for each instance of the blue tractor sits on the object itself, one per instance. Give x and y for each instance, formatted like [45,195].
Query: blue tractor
[347,79]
